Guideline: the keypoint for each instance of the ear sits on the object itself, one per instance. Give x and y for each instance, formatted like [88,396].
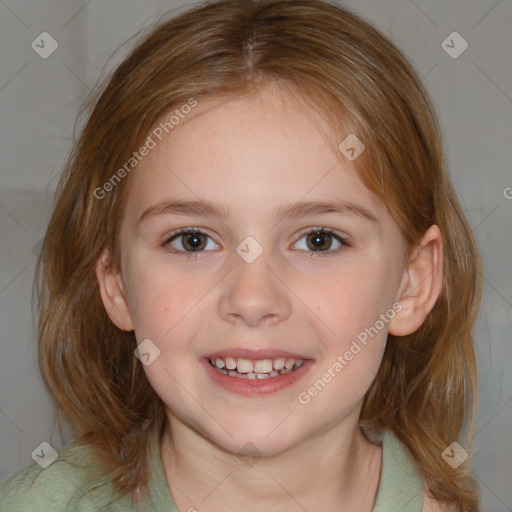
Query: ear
[112,293]
[421,284]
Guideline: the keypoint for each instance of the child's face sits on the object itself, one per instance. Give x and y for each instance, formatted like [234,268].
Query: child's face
[255,156]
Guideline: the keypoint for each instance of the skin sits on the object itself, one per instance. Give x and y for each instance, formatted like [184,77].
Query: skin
[255,154]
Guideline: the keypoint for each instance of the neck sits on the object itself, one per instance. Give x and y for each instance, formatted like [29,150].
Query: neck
[338,467]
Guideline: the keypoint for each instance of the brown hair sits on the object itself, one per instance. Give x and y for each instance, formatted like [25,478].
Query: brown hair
[426,386]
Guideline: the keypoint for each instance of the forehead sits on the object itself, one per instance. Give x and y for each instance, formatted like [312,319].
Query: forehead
[249,152]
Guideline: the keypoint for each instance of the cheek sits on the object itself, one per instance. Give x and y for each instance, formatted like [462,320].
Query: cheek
[347,301]
[348,309]
[154,301]
[168,303]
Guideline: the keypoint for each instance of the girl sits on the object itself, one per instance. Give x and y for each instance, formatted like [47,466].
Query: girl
[257,288]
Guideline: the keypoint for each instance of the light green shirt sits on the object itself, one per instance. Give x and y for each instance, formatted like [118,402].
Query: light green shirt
[71,483]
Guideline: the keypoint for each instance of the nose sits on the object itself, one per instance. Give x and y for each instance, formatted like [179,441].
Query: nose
[254,293]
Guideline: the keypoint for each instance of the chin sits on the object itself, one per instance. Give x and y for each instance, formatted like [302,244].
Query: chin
[258,439]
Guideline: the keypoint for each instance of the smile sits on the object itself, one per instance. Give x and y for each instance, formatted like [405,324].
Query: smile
[255,373]
[252,370]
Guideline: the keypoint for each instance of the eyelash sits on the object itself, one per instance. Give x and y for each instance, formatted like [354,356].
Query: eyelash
[314,254]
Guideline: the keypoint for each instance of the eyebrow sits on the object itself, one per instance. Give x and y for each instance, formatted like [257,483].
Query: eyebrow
[294,210]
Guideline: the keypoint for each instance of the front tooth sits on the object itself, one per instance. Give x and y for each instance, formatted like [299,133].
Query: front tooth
[263,366]
[219,363]
[289,364]
[262,376]
[279,363]
[244,365]
[230,363]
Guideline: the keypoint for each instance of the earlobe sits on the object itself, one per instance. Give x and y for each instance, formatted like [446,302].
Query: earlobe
[421,284]
[112,293]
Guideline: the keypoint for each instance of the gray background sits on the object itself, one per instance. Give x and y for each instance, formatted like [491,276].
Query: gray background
[39,100]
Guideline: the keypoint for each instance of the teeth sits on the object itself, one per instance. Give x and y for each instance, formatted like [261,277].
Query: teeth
[289,364]
[244,365]
[263,366]
[230,363]
[279,363]
[260,369]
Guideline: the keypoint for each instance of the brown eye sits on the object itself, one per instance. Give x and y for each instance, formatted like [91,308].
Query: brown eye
[320,240]
[188,240]
[193,241]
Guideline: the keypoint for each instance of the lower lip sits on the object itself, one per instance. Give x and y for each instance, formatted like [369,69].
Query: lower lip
[256,386]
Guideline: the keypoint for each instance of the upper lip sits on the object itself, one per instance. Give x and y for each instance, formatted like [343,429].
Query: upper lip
[246,353]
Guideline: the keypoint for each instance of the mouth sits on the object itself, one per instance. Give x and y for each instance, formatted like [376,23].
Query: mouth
[250,372]
[242,368]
